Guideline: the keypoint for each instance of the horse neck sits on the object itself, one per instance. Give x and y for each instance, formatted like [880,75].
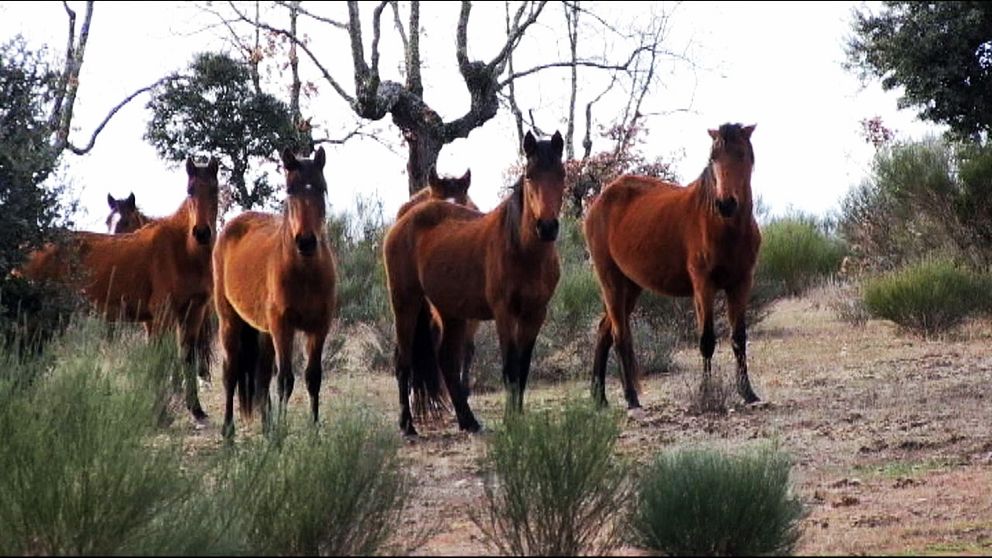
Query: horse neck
[179,224]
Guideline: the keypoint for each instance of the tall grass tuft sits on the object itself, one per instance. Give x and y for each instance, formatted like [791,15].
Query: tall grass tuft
[335,491]
[928,298]
[704,503]
[554,486]
[81,472]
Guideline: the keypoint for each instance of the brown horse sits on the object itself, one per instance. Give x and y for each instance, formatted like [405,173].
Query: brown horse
[466,265]
[454,190]
[159,275]
[124,215]
[274,275]
[691,241]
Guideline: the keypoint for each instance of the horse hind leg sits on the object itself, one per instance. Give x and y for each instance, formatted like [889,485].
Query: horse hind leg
[601,355]
[405,318]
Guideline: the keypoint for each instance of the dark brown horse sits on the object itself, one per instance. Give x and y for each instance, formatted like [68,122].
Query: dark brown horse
[454,190]
[467,265]
[124,215]
[273,276]
[159,275]
[678,241]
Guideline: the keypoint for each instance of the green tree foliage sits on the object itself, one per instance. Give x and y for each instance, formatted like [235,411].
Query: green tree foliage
[218,110]
[939,53]
[30,208]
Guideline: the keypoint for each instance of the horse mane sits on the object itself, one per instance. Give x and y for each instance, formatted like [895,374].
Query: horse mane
[513,207]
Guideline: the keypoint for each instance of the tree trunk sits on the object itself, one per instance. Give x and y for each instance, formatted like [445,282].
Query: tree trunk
[423,149]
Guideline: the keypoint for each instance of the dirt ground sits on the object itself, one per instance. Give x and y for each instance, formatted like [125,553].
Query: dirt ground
[892,435]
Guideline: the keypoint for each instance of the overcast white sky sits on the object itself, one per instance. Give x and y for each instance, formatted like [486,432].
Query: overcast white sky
[776,64]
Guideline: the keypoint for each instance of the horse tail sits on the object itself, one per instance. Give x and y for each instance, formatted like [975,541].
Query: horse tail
[244,380]
[430,396]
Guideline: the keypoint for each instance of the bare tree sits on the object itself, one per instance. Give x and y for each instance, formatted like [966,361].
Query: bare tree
[60,118]
[374,96]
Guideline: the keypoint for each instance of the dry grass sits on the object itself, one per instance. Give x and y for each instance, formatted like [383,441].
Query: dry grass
[890,434]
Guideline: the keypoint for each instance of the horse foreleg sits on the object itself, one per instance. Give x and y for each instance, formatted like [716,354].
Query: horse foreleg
[314,372]
[282,339]
[511,363]
[188,331]
[451,359]
[703,298]
[736,313]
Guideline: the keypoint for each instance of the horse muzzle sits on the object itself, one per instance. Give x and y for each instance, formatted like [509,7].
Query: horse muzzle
[727,207]
[202,235]
[306,244]
[547,229]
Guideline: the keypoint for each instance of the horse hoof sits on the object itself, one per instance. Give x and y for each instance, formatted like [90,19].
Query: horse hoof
[636,414]
[472,428]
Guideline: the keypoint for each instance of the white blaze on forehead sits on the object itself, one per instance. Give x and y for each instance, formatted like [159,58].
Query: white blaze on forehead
[115,218]
[451,200]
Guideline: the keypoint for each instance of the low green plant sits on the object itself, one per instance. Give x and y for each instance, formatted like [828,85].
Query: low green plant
[554,486]
[928,298]
[702,502]
[337,490]
[797,252]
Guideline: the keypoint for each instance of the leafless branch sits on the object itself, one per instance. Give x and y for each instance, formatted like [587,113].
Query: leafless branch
[516,33]
[376,32]
[314,16]
[413,79]
[113,111]
[71,85]
[518,117]
[301,44]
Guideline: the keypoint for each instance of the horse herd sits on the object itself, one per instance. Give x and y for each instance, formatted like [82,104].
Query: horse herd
[448,267]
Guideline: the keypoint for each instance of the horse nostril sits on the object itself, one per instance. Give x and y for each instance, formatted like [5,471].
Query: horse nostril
[547,230]
[201,234]
[727,206]
[306,244]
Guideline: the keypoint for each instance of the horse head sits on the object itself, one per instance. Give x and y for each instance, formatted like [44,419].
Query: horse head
[544,183]
[731,162]
[202,196]
[305,203]
[454,190]
[124,216]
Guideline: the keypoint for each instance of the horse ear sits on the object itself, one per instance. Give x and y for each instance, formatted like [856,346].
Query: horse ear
[190,166]
[111,202]
[320,158]
[130,200]
[715,134]
[289,161]
[433,180]
[748,130]
[466,178]
[213,166]
[557,143]
[530,144]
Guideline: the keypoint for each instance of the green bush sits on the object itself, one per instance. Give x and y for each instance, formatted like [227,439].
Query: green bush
[554,486]
[798,253]
[335,491]
[704,503]
[928,298]
[357,244]
[80,472]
